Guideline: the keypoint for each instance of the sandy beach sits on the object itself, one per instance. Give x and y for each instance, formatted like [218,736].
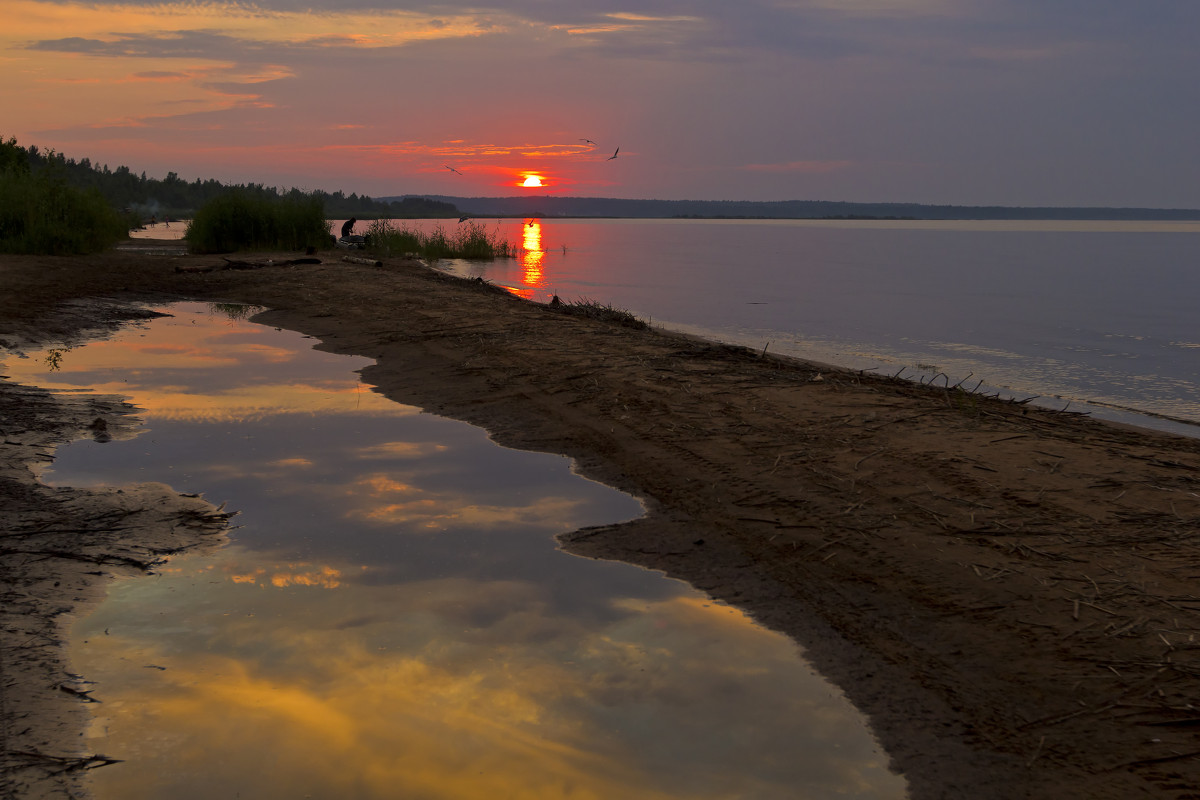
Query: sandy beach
[1009,593]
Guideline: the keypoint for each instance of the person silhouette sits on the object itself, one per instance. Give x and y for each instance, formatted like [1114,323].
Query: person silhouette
[348,226]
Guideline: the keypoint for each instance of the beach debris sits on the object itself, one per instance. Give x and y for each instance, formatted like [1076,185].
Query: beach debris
[367,261]
[68,763]
[232,263]
[99,429]
[85,696]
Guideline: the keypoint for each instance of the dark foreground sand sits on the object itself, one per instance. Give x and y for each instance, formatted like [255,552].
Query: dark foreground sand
[1010,594]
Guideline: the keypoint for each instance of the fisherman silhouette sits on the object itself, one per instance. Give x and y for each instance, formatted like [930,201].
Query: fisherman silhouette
[348,226]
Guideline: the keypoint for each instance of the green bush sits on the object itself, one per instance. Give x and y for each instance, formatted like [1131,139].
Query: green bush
[472,240]
[242,220]
[40,213]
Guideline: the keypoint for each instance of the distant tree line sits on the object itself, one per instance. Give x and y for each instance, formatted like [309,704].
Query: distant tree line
[175,197]
[613,207]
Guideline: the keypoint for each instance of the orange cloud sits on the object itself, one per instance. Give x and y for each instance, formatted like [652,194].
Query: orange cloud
[78,65]
[293,462]
[348,708]
[193,396]
[33,20]
[400,450]
[325,577]
[624,22]
[457,735]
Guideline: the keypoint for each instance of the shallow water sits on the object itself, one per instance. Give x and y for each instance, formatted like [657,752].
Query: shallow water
[393,618]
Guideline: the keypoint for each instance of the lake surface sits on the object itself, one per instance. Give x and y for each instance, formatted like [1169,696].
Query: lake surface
[1095,317]
[1098,317]
[393,619]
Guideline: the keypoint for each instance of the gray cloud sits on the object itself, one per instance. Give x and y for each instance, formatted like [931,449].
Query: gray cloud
[175,44]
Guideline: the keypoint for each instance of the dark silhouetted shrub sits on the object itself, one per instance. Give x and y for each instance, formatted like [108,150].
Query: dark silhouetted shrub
[241,220]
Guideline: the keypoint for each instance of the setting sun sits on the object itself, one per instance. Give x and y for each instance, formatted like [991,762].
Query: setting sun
[532,180]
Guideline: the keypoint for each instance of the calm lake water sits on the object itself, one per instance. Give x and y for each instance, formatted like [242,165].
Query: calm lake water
[393,619]
[1100,316]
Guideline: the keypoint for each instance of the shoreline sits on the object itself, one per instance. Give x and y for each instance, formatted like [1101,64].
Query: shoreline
[873,359]
[1111,413]
[994,585]
[61,548]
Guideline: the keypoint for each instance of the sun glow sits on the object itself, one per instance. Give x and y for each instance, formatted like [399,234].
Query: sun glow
[533,255]
[532,179]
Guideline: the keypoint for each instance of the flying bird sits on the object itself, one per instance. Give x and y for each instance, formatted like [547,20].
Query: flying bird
[589,141]
[452,169]
[464,218]
[614,155]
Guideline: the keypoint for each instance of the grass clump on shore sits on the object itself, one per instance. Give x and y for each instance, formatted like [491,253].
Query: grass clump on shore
[594,310]
[242,220]
[470,241]
[41,214]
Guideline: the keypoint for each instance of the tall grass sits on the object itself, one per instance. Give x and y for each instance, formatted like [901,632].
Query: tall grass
[40,213]
[240,220]
[471,240]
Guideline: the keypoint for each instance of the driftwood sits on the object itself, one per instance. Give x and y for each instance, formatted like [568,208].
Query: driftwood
[231,263]
[356,260]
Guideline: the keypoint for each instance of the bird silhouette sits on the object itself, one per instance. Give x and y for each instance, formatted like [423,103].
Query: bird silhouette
[614,155]
[589,141]
[464,218]
[452,169]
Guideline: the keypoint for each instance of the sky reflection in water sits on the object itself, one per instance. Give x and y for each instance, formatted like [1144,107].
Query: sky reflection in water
[393,619]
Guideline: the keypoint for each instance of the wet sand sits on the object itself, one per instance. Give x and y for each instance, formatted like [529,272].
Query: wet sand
[1009,593]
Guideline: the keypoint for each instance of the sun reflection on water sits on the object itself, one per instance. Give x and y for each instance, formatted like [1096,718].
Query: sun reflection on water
[532,257]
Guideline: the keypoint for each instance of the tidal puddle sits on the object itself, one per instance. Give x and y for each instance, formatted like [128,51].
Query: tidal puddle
[393,619]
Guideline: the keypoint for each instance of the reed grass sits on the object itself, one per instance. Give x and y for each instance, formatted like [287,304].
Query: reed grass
[471,240]
[41,214]
[599,311]
[240,220]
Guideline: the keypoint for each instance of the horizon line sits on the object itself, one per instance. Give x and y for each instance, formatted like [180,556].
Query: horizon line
[794,200]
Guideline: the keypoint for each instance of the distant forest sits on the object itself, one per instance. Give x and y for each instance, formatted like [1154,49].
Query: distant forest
[610,207]
[175,197]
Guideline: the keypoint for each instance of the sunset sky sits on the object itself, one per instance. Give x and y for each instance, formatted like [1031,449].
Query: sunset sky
[1015,102]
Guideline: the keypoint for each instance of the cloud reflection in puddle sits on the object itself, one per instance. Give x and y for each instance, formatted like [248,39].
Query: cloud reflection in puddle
[393,619]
